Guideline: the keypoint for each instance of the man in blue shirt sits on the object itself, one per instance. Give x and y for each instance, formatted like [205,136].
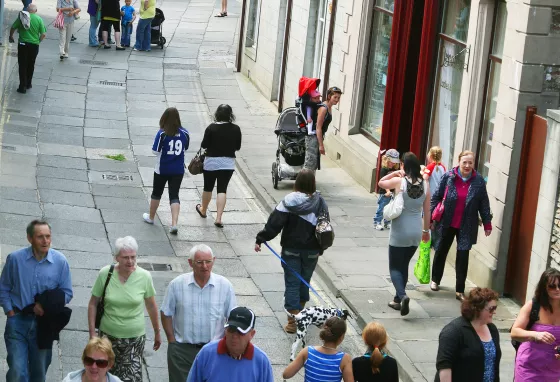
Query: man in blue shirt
[27,273]
[233,358]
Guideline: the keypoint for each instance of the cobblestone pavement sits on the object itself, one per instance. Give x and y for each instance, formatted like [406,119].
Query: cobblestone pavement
[103,102]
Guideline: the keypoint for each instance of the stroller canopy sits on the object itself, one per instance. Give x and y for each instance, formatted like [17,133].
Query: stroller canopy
[306,84]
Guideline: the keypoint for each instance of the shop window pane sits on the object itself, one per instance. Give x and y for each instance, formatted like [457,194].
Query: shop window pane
[448,94]
[387,4]
[456,22]
[500,33]
[489,119]
[377,75]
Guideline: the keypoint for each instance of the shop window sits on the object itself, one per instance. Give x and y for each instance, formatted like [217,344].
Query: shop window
[555,25]
[315,41]
[495,65]
[320,38]
[376,82]
[253,24]
[452,61]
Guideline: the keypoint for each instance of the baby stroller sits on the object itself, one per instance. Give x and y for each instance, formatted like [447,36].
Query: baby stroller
[157,38]
[291,130]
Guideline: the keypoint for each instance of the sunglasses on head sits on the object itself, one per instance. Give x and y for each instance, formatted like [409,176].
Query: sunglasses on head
[554,286]
[102,363]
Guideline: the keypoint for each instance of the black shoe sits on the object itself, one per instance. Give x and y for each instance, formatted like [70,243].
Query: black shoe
[21,90]
[107,47]
[61,58]
[404,306]
[29,86]
[73,38]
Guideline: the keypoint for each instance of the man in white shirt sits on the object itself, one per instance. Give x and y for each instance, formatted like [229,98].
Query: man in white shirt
[194,311]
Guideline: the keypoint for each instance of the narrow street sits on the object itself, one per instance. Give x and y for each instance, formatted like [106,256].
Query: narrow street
[53,163]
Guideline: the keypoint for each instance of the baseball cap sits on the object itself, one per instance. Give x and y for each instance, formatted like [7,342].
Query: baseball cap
[314,93]
[242,318]
[393,155]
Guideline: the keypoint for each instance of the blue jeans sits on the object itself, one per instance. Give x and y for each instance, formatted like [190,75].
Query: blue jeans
[126,31]
[144,34]
[382,201]
[26,362]
[399,259]
[93,24]
[26,4]
[303,262]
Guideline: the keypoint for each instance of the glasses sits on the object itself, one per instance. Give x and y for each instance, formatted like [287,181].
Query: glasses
[491,309]
[205,262]
[102,363]
[554,286]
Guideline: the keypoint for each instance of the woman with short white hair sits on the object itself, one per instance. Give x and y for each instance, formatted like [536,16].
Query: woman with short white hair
[125,288]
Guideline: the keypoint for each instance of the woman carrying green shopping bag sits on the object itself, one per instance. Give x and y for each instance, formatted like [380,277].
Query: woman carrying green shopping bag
[406,229]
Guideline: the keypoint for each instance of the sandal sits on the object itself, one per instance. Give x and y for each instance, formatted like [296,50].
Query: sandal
[200,213]
[219,225]
[221,14]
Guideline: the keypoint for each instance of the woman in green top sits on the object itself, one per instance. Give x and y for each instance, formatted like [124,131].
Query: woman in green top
[128,290]
[144,28]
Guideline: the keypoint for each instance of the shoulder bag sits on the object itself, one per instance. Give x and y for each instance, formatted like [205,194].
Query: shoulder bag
[395,207]
[323,230]
[101,303]
[438,211]
[197,163]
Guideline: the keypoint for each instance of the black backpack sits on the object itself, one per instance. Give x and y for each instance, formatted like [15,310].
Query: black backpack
[533,317]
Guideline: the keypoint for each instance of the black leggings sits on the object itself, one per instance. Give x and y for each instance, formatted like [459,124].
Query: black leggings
[106,26]
[222,176]
[174,184]
[461,260]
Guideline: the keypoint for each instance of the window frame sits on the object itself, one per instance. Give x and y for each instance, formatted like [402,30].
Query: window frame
[320,30]
[251,50]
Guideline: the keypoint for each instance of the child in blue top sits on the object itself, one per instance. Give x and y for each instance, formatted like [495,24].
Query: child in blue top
[170,144]
[324,363]
[128,16]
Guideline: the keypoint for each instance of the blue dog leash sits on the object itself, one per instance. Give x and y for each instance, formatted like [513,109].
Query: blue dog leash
[297,274]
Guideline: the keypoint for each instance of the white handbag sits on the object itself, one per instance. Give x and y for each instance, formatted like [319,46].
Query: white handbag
[395,207]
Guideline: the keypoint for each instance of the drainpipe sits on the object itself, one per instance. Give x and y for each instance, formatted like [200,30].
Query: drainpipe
[285,55]
[328,57]
[241,36]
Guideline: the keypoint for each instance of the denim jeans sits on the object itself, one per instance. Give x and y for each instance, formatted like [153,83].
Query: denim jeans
[399,259]
[303,262]
[26,362]
[144,34]
[93,24]
[382,201]
[126,31]
[26,4]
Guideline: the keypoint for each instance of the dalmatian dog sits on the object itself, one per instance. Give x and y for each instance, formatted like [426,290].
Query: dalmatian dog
[314,315]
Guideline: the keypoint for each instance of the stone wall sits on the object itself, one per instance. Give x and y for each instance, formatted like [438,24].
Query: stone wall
[554,257]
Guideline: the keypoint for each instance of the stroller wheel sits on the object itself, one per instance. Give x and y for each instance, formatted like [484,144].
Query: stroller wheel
[275,177]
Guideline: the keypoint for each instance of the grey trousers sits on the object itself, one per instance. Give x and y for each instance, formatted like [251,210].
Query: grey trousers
[312,155]
[180,358]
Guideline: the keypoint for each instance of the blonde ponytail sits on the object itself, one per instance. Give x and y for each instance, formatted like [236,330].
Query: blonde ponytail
[376,360]
[375,337]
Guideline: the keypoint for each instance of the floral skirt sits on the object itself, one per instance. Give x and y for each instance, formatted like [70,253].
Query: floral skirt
[128,357]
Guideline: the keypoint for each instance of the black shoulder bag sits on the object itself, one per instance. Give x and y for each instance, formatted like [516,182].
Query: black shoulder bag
[101,303]
[324,231]
[533,317]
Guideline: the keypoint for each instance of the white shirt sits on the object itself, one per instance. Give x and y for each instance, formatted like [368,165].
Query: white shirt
[199,314]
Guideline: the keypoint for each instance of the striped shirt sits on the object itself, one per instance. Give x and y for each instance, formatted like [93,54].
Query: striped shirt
[199,314]
[219,163]
[321,367]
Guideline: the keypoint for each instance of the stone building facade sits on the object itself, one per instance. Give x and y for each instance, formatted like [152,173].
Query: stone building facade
[456,73]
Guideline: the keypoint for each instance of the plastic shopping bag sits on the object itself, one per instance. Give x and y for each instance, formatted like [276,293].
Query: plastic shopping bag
[59,21]
[422,267]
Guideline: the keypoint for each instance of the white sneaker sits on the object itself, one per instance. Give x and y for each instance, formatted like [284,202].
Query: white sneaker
[173,230]
[147,219]
[379,227]
[434,286]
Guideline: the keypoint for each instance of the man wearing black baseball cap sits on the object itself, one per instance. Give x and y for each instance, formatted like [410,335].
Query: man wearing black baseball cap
[233,358]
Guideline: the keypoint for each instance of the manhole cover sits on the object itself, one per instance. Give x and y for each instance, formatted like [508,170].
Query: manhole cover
[93,62]
[6,147]
[156,266]
[117,177]
[12,110]
[170,65]
[111,83]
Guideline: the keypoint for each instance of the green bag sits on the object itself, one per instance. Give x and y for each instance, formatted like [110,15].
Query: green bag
[422,267]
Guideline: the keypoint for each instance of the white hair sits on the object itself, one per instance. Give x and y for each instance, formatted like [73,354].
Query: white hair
[31,8]
[200,248]
[127,243]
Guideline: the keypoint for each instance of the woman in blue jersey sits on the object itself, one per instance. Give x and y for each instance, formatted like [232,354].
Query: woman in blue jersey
[170,145]
[324,363]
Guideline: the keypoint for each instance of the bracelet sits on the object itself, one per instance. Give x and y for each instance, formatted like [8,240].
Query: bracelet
[425,231]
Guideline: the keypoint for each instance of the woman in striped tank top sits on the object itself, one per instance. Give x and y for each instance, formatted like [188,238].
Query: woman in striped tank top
[324,363]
